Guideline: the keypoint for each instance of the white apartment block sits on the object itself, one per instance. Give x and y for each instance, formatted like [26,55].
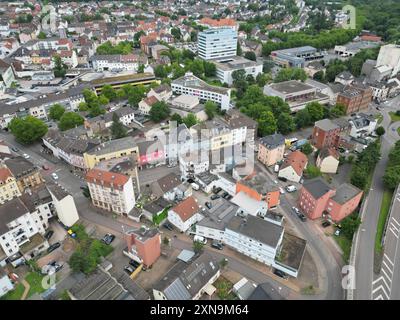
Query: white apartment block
[115,63]
[193,163]
[193,86]
[217,43]
[111,191]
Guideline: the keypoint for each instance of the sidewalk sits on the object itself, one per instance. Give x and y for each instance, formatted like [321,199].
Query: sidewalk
[27,288]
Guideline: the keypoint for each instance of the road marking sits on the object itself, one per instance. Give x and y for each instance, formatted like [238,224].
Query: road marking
[394,227]
[394,220]
[387,267]
[388,259]
[394,233]
[388,278]
[379,297]
[383,290]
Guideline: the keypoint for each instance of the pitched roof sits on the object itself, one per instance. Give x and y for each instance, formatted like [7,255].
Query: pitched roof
[150,100]
[326,152]
[187,208]
[297,160]
[273,141]
[105,178]
[5,173]
[169,182]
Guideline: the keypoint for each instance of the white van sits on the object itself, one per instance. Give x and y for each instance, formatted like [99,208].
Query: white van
[291,188]
[199,239]
[195,186]
[276,168]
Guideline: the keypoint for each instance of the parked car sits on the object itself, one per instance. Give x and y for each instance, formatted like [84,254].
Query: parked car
[195,186]
[228,197]
[217,190]
[44,167]
[199,239]
[134,264]
[291,188]
[48,234]
[129,270]
[302,217]
[26,156]
[217,245]
[282,179]
[108,238]
[15,149]
[296,210]
[53,247]
[208,205]
[276,168]
[215,197]
[225,194]
[168,226]
[326,224]
[54,175]
[337,232]
[281,190]
[280,273]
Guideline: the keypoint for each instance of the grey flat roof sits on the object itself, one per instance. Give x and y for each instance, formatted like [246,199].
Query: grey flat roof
[291,86]
[257,228]
[326,124]
[298,50]
[234,63]
[219,215]
[113,146]
[273,141]
[345,193]
[292,252]
[317,187]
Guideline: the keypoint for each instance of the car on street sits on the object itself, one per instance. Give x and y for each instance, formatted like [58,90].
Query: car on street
[217,190]
[134,264]
[302,217]
[208,205]
[108,238]
[54,176]
[26,156]
[15,149]
[48,234]
[326,224]
[129,270]
[215,197]
[168,226]
[53,247]
[44,167]
[282,179]
[291,188]
[296,210]
[217,245]
[280,273]
[281,190]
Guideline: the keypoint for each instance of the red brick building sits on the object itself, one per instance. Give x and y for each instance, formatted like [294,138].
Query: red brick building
[327,133]
[355,97]
[144,245]
[316,197]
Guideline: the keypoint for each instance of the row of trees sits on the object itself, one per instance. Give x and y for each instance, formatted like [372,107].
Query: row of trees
[391,178]
[124,47]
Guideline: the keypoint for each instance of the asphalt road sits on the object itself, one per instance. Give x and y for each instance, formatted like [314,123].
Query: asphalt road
[364,242]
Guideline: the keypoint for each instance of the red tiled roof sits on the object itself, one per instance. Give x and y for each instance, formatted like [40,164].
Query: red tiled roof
[5,173]
[297,160]
[106,178]
[218,23]
[187,208]
[150,100]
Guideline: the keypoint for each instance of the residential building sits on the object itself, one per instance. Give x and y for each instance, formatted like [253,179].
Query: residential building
[218,23]
[185,214]
[5,283]
[390,55]
[193,86]
[355,97]
[188,281]
[239,122]
[295,57]
[170,187]
[296,93]
[317,198]
[111,191]
[21,230]
[325,134]
[146,104]
[293,166]
[362,125]
[328,160]
[117,62]
[271,149]
[345,78]
[64,204]
[150,153]
[110,150]
[162,92]
[26,174]
[217,43]
[8,186]
[227,65]
[144,245]
[250,206]
[193,163]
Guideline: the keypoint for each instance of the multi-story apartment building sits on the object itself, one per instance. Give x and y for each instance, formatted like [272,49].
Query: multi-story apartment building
[271,149]
[110,150]
[295,57]
[355,97]
[217,43]
[325,134]
[8,186]
[128,62]
[25,173]
[193,163]
[185,214]
[111,191]
[193,86]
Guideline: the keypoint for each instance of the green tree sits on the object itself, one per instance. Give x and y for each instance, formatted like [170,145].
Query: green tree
[391,178]
[287,74]
[196,67]
[267,123]
[358,177]
[70,120]
[190,120]
[380,131]
[250,55]
[160,71]
[211,109]
[319,76]
[176,33]
[27,130]
[312,171]
[60,69]
[135,95]
[209,69]
[315,110]
[302,119]
[159,111]
[177,117]
[307,149]
[56,111]
[198,246]
[339,110]
[285,123]
[42,35]
[109,92]
[350,225]
[117,128]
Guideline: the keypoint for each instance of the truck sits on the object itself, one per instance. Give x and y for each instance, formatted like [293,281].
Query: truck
[298,144]
[195,186]
[199,239]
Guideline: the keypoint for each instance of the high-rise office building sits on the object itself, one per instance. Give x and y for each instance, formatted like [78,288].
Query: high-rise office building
[217,43]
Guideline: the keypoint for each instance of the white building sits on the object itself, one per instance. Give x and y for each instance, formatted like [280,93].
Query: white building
[217,43]
[129,62]
[5,284]
[19,227]
[254,237]
[390,55]
[185,214]
[193,163]
[362,125]
[193,86]
[111,191]
[64,205]
[250,206]
[226,66]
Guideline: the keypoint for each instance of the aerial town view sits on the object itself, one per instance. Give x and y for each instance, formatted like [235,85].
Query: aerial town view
[203,150]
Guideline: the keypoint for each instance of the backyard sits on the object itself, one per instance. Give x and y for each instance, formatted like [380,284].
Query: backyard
[224,289]
[35,281]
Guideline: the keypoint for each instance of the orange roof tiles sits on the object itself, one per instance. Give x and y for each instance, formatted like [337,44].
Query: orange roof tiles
[106,178]
[187,208]
[297,160]
[5,173]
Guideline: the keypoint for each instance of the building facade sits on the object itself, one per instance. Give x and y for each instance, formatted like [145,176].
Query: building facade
[217,43]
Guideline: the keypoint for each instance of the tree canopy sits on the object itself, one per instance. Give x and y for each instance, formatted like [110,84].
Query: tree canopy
[27,130]
[159,111]
[70,120]
[56,111]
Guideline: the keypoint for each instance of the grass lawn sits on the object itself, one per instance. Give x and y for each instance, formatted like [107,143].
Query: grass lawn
[394,116]
[224,289]
[385,206]
[345,244]
[379,118]
[398,130]
[35,281]
[16,294]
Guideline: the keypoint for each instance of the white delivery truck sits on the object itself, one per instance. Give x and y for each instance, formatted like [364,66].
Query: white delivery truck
[199,239]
